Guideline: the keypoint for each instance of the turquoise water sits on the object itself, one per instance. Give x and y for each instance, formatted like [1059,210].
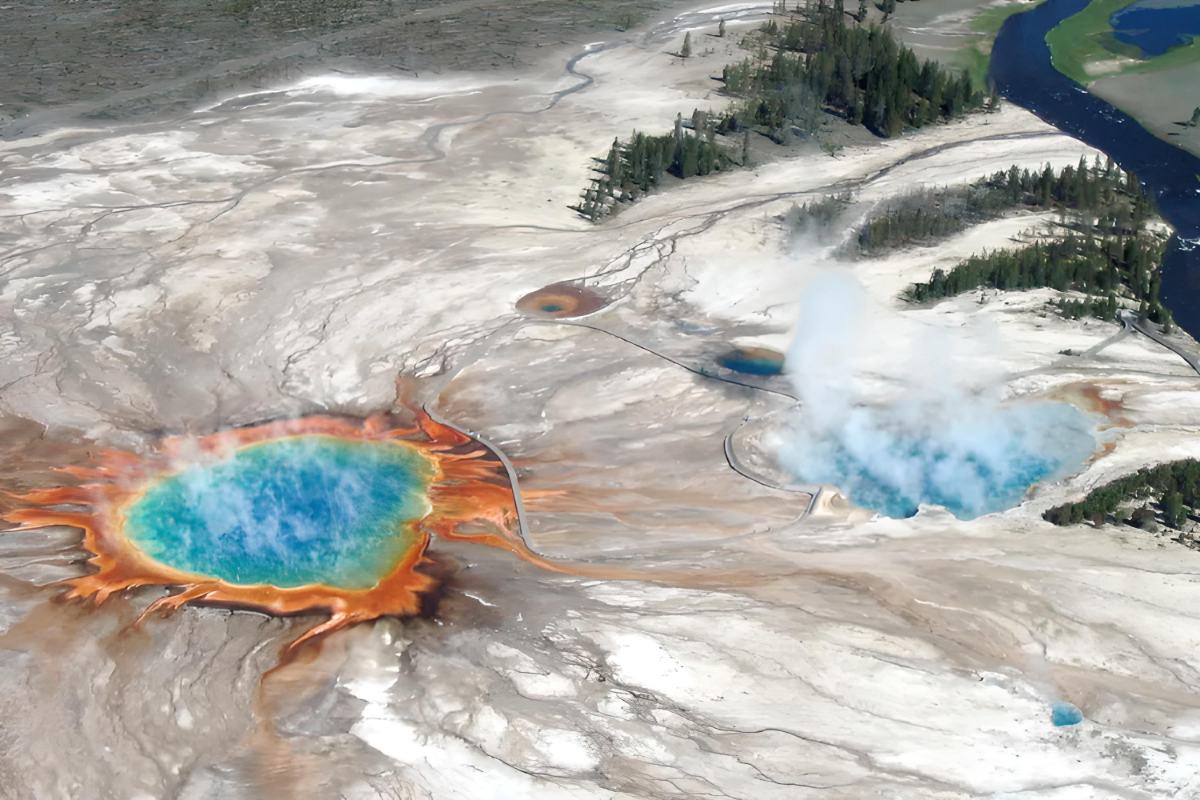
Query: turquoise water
[748,365]
[1065,714]
[1155,28]
[972,461]
[288,512]
[551,308]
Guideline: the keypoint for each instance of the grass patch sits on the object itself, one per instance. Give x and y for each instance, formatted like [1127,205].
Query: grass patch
[1175,57]
[976,55]
[1087,37]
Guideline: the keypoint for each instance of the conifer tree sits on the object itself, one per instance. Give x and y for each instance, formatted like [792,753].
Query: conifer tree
[614,162]
[686,50]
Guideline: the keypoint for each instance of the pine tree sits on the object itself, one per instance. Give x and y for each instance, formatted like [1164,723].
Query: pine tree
[614,163]
[1173,513]
[677,153]
[721,32]
[686,50]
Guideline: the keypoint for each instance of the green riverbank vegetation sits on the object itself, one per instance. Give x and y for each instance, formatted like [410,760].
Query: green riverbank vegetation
[1084,48]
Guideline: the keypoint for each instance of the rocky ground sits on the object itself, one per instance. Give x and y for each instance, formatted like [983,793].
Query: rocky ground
[296,248]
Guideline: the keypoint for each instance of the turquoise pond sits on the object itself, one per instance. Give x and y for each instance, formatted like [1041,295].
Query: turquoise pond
[972,464]
[752,365]
[1064,714]
[288,512]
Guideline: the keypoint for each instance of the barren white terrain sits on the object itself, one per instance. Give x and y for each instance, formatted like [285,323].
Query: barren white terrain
[297,249]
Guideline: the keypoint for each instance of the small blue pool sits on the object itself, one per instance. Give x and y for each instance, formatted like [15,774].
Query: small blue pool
[1155,27]
[1065,714]
[753,361]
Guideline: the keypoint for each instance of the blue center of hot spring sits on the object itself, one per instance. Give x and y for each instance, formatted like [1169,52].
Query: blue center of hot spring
[1065,714]
[750,365]
[288,512]
[978,462]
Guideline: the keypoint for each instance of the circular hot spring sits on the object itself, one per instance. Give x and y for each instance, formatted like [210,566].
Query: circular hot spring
[761,361]
[970,459]
[289,512]
[560,300]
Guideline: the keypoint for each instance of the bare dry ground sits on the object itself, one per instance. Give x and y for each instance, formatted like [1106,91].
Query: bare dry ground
[1162,101]
[121,59]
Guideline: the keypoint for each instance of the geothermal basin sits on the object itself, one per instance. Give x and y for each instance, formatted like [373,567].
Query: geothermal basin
[972,459]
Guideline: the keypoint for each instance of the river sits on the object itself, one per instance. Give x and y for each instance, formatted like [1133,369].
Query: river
[1023,73]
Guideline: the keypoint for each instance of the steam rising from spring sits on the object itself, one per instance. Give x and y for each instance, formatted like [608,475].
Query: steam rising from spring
[945,436]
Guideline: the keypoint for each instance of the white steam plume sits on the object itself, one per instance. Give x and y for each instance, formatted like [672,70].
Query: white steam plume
[942,433]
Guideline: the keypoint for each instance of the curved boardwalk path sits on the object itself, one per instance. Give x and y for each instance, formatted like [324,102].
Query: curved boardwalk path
[1131,322]
[522,526]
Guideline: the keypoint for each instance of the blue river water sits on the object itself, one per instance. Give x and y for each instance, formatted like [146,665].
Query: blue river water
[288,512]
[1156,29]
[1023,73]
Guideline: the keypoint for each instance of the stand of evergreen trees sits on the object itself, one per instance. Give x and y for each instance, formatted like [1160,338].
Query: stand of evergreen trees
[862,73]
[1108,201]
[1110,255]
[1174,488]
[637,166]
[1111,267]
[819,60]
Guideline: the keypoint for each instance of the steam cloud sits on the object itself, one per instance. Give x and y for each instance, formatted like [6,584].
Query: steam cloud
[945,436]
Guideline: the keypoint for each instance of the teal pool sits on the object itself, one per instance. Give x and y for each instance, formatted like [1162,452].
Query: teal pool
[1063,715]
[971,461]
[753,361]
[310,509]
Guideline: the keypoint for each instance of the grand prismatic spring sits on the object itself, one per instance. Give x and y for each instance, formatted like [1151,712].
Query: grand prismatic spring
[318,513]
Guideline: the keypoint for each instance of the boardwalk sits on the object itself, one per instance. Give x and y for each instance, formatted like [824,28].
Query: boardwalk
[1131,322]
